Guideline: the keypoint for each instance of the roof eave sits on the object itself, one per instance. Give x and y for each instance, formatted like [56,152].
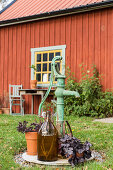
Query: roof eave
[69,11]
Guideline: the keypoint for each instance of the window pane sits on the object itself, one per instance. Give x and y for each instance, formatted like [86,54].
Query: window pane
[45,57]
[49,66]
[38,57]
[45,67]
[38,67]
[51,55]
[44,77]
[49,76]
[38,77]
[57,54]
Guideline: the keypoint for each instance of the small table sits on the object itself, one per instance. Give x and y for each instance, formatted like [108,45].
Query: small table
[33,92]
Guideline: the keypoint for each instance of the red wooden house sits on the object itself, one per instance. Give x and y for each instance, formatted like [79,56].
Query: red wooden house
[79,30]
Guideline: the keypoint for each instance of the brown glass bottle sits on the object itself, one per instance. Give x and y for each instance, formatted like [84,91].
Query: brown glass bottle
[48,141]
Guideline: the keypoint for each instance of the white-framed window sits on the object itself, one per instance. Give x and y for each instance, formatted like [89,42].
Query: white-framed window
[42,58]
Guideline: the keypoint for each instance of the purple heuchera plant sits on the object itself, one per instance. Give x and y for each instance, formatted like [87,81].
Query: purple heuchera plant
[71,147]
[33,127]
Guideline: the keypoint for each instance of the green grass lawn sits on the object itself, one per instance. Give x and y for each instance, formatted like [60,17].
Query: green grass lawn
[100,135]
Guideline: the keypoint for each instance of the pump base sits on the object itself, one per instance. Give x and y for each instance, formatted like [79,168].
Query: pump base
[34,159]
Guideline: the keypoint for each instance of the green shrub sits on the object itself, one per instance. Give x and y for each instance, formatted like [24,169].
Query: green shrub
[93,101]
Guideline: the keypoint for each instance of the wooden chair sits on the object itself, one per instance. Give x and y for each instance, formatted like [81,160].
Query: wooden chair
[15,99]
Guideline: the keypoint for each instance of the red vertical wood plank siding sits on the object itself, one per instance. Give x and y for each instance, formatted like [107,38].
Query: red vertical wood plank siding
[85,55]
[52,32]
[10,59]
[91,46]
[23,61]
[97,39]
[79,42]
[57,31]
[107,53]
[14,72]
[88,38]
[106,49]
[23,55]
[32,45]
[110,47]
[36,32]
[32,35]
[6,61]
[14,56]
[28,61]
[18,46]
[46,33]
[68,41]
[63,31]
[103,40]
[2,59]
[37,44]
[18,61]
[73,44]
[0,68]
[41,37]
[111,57]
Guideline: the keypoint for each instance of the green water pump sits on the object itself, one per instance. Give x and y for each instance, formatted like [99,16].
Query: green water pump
[60,93]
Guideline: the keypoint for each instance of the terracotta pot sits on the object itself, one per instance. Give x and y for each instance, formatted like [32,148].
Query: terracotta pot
[79,155]
[31,139]
[33,84]
[6,111]
[0,111]
[52,88]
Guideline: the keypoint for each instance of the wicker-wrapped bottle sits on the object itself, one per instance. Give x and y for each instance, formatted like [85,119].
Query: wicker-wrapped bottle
[48,141]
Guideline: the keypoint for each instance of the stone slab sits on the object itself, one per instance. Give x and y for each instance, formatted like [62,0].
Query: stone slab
[34,159]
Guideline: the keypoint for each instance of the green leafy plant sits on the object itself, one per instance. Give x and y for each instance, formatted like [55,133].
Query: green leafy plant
[33,67]
[49,106]
[93,101]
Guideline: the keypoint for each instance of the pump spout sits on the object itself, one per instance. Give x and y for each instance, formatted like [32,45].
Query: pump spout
[70,93]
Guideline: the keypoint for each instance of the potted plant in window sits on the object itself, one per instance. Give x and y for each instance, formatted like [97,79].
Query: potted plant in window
[31,133]
[33,83]
[5,107]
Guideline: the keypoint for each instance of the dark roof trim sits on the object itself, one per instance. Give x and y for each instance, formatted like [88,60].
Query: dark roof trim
[79,9]
[7,6]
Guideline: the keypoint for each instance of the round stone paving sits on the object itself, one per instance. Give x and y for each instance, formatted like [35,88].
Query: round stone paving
[28,161]
[33,159]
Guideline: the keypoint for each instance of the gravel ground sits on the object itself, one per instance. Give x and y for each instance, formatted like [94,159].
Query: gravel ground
[18,159]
